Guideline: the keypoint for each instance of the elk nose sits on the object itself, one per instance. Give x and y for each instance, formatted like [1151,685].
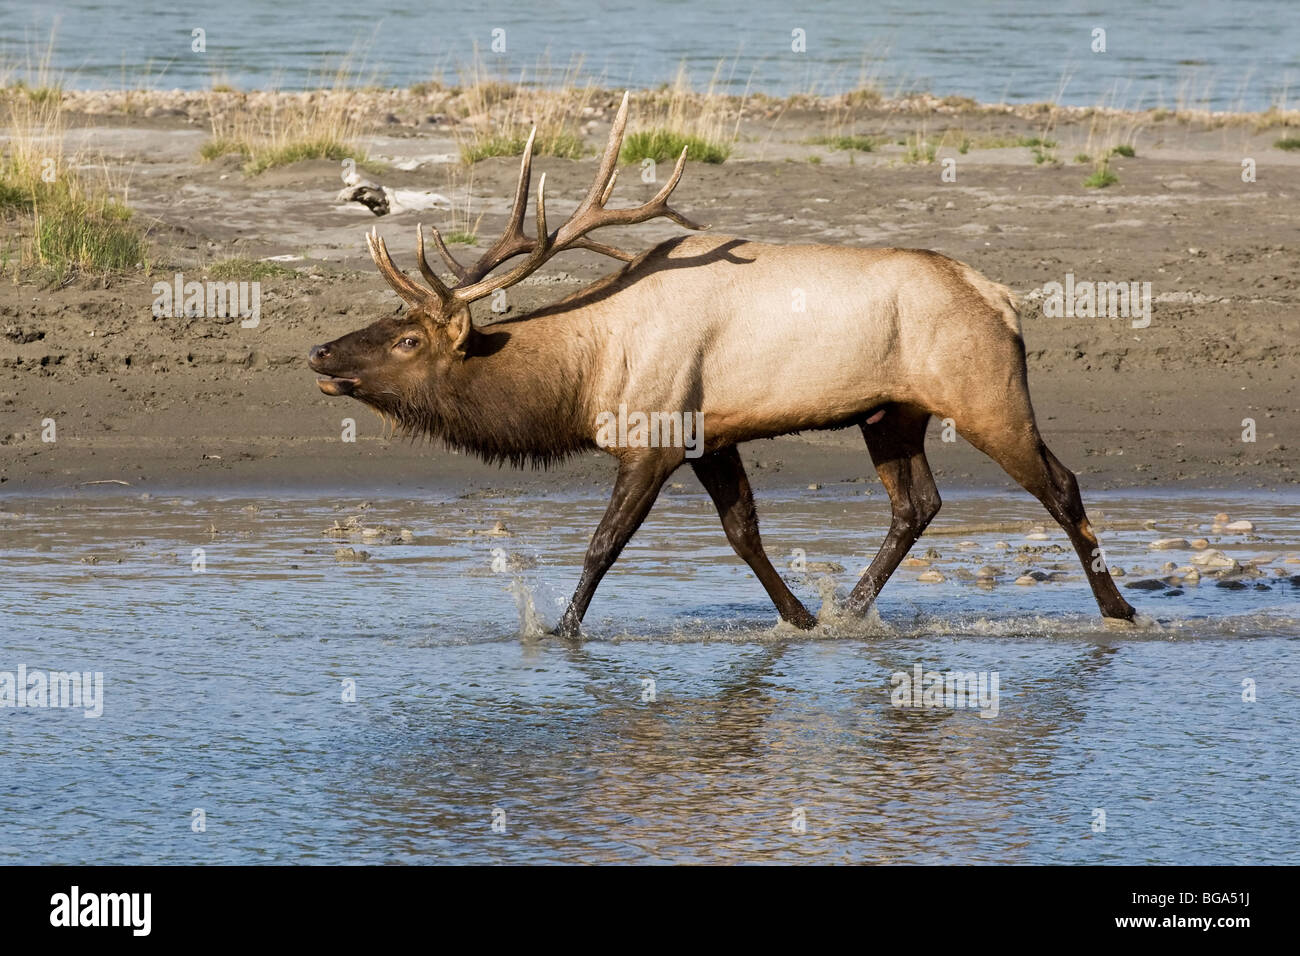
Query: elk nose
[318,354]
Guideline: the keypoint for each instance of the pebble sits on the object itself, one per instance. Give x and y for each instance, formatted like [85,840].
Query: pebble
[1199,543]
[350,554]
[915,563]
[1025,579]
[930,577]
[1037,536]
[1168,544]
[1147,584]
[1212,559]
[967,545]
[1239,526]
[988,571]
[498,530]
[1116,572]
[1000,545]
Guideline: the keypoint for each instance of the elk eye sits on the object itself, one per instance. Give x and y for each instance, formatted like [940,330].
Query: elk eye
[409,342]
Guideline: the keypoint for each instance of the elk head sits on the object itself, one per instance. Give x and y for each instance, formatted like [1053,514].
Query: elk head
[397,363]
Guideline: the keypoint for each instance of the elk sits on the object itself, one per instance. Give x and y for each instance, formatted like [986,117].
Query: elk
[704,325]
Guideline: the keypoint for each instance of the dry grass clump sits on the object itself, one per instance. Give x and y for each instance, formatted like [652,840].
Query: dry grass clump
[73,220]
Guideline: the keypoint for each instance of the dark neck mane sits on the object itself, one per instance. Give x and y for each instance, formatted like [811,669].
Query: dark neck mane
[518,397]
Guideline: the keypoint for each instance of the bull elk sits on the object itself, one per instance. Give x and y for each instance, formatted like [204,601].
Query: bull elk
[703,324]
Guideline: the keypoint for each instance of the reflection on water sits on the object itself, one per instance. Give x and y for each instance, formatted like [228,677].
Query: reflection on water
[689,728]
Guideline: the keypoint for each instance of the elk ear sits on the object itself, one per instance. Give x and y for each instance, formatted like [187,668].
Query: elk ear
[459,329]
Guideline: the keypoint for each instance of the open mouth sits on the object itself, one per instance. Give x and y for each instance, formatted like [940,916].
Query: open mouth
[336,385]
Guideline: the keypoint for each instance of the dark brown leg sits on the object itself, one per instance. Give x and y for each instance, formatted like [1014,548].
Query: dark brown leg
[723,477]
[637,486]
[1025,457]
[897,447]
[1061,497]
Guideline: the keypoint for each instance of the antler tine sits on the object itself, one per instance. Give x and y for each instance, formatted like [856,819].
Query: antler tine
[609,189]
[406,287]
[585,221]
[590,215]
[457,269]
[608,169]
[512,241]
[661,198]
[541,249]
[601,248]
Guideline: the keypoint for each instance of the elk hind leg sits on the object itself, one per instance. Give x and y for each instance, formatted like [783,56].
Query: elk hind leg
[896,443]
[1023,455]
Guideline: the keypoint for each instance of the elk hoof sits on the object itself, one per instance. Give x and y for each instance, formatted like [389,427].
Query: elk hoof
[567,628]
[802,619]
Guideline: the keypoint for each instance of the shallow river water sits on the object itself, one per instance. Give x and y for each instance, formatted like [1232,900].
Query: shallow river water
[268,696]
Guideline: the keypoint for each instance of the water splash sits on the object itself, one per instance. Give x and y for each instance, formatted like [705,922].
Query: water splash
[530,622]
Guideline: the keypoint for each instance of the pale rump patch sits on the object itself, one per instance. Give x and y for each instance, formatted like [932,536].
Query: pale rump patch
[876,417]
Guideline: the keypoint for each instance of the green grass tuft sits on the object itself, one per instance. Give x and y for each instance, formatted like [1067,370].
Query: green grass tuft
[863,144]
[1288,143]
[247,270]
[77,235]
[561,143]
[1124,149]
[1101,177]
[662,145]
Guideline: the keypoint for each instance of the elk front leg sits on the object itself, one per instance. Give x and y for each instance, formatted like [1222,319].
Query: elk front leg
[723,476]
[637,486]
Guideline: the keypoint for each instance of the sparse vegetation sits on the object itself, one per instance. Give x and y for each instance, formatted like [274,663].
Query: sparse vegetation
[500,116]
[243,269]
[1124,149]
[664,121]
[847,142]
[1288,143]
[322,125]
[920,149]
[560,143]
[1101,177]
[662,145]
[74,221]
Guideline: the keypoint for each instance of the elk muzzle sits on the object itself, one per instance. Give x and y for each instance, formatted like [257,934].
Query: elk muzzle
[321,359]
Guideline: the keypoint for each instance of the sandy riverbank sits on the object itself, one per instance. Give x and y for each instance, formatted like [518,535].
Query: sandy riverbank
[206,403]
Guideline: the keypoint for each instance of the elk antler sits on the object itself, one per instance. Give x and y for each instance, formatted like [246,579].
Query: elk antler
[473,283]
